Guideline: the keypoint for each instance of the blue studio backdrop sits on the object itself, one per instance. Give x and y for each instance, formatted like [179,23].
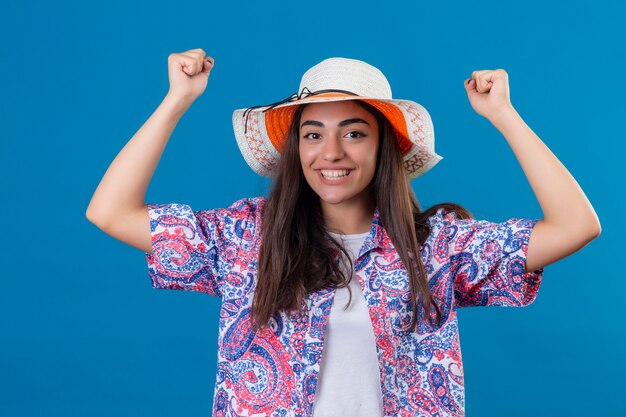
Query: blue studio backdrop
[83,333]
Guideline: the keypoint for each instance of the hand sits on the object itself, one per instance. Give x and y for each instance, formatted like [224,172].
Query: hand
[188,73]
[488,92]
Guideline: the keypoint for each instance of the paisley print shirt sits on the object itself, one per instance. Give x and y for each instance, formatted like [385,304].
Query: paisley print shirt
[274,371]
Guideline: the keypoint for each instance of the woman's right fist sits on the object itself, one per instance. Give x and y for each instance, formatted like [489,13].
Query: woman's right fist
[188,73]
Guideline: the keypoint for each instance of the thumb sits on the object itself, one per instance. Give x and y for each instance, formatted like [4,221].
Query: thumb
[470,85]
[207,65]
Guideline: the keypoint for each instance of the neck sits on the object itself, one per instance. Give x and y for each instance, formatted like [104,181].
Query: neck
[349,217]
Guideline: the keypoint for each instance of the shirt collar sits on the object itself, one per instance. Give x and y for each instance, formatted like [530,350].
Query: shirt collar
[377,237]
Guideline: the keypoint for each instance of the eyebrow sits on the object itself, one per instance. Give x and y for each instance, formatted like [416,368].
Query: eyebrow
[341,124]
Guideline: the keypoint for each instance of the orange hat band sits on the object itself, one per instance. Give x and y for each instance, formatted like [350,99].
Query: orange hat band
[278,121]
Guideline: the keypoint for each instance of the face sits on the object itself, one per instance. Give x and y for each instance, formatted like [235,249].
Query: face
[338,150]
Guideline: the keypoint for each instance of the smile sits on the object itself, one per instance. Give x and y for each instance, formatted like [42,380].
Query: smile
[335,174]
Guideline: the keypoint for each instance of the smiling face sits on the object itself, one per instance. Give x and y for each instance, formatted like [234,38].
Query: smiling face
[338,151]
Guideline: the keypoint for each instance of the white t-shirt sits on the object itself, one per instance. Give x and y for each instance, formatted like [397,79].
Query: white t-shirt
[349,380]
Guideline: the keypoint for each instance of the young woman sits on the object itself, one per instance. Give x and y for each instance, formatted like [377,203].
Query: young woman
[339,294]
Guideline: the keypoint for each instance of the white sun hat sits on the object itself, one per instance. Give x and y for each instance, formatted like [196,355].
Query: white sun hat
[261,131]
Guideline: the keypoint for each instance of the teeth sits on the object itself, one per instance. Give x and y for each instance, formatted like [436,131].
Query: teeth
[335,173]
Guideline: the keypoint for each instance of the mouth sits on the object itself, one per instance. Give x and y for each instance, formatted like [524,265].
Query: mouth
[335,174]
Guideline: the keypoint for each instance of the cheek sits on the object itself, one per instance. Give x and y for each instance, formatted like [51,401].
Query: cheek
[306,155]
[368,159]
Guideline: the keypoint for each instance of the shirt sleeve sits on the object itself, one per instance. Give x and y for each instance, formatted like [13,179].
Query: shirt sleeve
[195,250]
[488,262]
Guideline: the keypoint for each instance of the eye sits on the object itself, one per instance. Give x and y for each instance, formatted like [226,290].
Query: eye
[359,134]
[307,136]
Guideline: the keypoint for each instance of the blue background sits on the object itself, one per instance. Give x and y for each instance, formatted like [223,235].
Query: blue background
[82,331]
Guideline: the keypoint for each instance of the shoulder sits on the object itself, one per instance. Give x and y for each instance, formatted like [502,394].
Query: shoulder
[447,218]
[444,219]
[447,227]
[247,205]
[240,207]
[441,216]
[246,208]
[237,222]
[450,232]
[243,217]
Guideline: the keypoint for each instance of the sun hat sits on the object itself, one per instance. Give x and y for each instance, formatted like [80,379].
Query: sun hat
[261,131]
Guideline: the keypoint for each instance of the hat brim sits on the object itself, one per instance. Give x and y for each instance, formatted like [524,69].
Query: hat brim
[261,132]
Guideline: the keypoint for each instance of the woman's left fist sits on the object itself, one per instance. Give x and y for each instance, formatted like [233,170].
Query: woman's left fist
[488,92]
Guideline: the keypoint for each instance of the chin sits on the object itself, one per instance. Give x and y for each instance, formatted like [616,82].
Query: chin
[332,200]
[335,199]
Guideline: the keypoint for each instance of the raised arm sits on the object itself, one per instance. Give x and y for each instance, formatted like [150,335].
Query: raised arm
[117,206]
[569,222]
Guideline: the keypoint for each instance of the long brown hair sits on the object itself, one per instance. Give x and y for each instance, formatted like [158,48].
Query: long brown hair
[297,255]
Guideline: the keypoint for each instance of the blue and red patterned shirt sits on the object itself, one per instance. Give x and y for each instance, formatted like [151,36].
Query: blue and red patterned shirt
[274,371]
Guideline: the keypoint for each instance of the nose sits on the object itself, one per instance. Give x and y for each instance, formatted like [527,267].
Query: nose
[333,149]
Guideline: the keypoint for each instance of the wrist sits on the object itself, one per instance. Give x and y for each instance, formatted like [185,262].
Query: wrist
[503,117]
[177,104]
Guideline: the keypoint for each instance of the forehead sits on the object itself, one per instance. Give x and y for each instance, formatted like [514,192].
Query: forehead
[335,111]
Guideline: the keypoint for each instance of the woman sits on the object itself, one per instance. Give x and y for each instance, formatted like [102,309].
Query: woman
[340,259]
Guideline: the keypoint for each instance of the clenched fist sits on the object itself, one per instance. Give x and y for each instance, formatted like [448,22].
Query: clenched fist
[188,73]
[488,92]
